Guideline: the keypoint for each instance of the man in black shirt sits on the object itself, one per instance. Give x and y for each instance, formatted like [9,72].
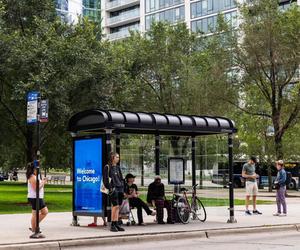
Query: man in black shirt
[131,192]
[156,197]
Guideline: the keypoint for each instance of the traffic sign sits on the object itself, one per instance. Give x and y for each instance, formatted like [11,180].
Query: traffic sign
[44,110]
[32,107]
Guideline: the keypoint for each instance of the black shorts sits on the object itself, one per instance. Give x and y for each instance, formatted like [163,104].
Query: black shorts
[116,198]
[32,201]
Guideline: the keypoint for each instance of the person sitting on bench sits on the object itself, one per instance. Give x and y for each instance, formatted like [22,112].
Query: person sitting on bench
[156,197]
[131,192]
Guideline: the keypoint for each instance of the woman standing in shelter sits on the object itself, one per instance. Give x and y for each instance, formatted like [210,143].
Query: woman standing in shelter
[113,180]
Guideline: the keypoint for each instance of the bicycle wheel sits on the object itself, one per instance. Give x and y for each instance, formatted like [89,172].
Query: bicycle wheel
[183,210]
[198,210]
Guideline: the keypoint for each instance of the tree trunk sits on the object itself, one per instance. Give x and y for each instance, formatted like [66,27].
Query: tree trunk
[278,133]
[278,146]
[174,144]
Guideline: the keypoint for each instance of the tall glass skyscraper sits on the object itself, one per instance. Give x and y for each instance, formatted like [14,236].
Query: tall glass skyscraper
[70,10]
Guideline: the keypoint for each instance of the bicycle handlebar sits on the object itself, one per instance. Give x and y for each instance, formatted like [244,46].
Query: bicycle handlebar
[186,190]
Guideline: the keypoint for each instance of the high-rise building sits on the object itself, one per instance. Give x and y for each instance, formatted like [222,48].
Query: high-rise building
[119,17]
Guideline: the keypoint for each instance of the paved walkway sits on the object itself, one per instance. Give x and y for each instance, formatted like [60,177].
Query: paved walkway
[14,228]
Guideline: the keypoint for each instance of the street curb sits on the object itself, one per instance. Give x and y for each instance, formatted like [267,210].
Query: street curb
[137,238]
[36,245]
[250,230]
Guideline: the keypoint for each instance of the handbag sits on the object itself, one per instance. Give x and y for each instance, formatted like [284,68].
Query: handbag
[103,189]
[277,186]
[125,208]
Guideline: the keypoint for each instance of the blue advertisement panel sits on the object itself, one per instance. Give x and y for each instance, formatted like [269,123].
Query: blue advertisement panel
[88,175]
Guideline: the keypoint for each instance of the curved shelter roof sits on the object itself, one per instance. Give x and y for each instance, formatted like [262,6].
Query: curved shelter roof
[149,123]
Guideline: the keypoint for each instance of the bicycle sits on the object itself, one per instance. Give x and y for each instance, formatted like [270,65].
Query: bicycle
[186,208]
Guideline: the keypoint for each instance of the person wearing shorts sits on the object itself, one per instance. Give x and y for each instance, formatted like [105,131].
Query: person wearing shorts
[31,182]
[249,174]
[114,182]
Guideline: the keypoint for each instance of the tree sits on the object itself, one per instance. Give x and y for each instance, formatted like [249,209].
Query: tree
[168,70]
[42,53]
[266,59]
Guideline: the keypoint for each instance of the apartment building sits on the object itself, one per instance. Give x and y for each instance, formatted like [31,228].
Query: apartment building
[120,17]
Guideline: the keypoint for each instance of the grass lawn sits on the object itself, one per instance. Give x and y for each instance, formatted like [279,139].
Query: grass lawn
[13,198]
[59,198]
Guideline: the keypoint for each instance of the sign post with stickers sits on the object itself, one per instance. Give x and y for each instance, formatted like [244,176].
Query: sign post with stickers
[35,115]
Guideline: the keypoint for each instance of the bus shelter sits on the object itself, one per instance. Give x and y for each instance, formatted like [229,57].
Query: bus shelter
[92,132]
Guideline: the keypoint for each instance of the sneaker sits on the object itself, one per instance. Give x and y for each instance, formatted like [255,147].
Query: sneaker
[276,214]
[247,212]
[256,212]
[92,225]
[282,215]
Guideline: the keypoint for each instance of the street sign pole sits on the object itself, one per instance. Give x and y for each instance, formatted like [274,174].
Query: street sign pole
[37,234]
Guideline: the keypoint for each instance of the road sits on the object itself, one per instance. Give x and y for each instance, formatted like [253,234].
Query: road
[262,241]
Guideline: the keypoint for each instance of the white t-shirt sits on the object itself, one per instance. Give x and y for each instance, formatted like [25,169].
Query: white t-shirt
[32,191]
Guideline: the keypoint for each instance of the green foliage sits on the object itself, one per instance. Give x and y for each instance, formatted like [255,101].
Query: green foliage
[169,69]
[266,59]
[59,60]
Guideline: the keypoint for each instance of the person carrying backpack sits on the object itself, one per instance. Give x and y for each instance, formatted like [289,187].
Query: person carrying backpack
[280,185]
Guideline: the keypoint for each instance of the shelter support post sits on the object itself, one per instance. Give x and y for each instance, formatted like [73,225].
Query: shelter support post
[231,194]
[108,133]
[75,222]
[193,161]
[118,143]
[157,154]
[141,161]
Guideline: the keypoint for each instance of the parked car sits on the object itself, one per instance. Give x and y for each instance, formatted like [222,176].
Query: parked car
[3,176]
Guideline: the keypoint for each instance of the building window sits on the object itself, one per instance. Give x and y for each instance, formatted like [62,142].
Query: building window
[205,7]
[91,10]
[170,16]
[209,24]
[154,5]
[93,4]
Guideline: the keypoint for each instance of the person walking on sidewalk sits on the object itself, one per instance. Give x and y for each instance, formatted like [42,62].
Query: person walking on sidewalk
[31,183]
[114,182]
[280,185]
[249,174]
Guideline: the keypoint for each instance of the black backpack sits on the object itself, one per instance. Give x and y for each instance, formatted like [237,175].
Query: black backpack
[288,178]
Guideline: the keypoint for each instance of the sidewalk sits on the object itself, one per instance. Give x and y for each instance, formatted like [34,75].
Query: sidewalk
[14,228]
